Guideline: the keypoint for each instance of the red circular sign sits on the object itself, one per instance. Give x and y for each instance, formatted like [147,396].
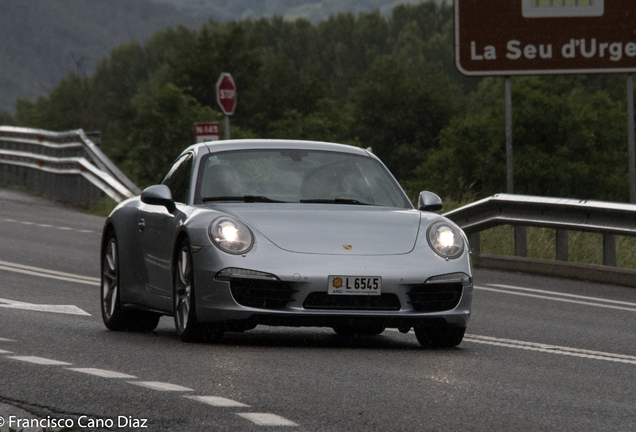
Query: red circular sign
[226,93]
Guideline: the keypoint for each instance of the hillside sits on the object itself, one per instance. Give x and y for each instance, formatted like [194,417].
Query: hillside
[315,11]
[44,40]
[386,82]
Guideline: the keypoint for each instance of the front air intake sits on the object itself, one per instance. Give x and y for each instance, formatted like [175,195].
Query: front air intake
[436,297]
[322,300]
[257,289]
[263,294]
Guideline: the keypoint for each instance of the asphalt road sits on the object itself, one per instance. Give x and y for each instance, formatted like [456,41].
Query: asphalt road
[541,355]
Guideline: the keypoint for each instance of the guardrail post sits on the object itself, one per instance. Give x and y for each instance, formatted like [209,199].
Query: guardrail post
[475,243]
[562,252]
[67,166]
[521,241]
[609,250]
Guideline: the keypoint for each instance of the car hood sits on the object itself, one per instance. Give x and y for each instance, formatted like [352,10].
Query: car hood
[332,229]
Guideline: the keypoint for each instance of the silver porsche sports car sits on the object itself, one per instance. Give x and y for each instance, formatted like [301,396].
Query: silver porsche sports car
[284,233]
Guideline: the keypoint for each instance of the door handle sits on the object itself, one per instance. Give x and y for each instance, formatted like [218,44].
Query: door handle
[142,225]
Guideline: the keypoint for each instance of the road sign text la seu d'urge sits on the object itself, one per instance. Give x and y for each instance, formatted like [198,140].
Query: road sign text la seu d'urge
[529,37]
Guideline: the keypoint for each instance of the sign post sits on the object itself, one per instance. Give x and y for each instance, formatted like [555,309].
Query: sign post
[547,37]
[509,159]
[630,138]
[226,98]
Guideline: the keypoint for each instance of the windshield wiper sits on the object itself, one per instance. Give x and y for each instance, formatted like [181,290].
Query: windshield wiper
[333,201]
[244,198]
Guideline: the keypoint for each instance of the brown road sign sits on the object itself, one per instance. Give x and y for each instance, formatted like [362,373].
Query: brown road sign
[530,37]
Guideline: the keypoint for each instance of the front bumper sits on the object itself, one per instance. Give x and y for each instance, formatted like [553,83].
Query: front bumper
[306,275]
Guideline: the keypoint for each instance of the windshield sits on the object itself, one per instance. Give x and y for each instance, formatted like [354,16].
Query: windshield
[292,175]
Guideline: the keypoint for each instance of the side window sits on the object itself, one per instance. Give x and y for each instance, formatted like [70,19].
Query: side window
[178,178]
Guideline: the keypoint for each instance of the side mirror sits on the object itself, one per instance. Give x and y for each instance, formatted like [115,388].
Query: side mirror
[159,195]
[428,201]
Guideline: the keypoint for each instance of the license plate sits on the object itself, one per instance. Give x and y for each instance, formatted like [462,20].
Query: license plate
[354,285]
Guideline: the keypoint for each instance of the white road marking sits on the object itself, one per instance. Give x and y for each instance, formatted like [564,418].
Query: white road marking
[260,419]
[217,401]
[546,348]
[51,274]
[156,385]
[6,340]
[48,226]
[40,360]
[556,293]
[102,373]
[265,419]
[505,291]
[62,309]
[552,349]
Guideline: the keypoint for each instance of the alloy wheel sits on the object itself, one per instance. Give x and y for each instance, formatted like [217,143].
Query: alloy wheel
[110,280]
[183,289]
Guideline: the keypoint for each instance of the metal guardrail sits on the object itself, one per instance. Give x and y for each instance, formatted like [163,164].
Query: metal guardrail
[521,211]
[67,166]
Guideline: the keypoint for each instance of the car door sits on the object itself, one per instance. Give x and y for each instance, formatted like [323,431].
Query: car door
[159,227]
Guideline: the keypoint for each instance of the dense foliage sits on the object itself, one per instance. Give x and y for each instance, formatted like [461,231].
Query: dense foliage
[313,10]
[372,81]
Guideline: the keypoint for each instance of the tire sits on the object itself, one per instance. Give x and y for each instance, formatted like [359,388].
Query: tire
[439,337]
[368,330]
[114,316]
[186,323]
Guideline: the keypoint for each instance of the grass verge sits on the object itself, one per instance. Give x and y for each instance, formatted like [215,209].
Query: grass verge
[103,207]
[583,247]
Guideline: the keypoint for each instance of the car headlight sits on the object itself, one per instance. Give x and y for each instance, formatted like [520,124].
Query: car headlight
[446,240]
[230,235]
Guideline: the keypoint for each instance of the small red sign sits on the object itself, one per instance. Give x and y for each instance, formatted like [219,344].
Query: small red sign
[207,132]
[226,93]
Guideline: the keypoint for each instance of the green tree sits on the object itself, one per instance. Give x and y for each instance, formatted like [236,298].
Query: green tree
[386,83]
[347,47]
[6,119]
[163,126]
[67,107]
[567,143]
[118,78]
[328,122]
[216,49]
[282,88]
[295,39]
[400,111]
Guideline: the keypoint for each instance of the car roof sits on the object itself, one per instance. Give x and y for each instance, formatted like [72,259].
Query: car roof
[261,144]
